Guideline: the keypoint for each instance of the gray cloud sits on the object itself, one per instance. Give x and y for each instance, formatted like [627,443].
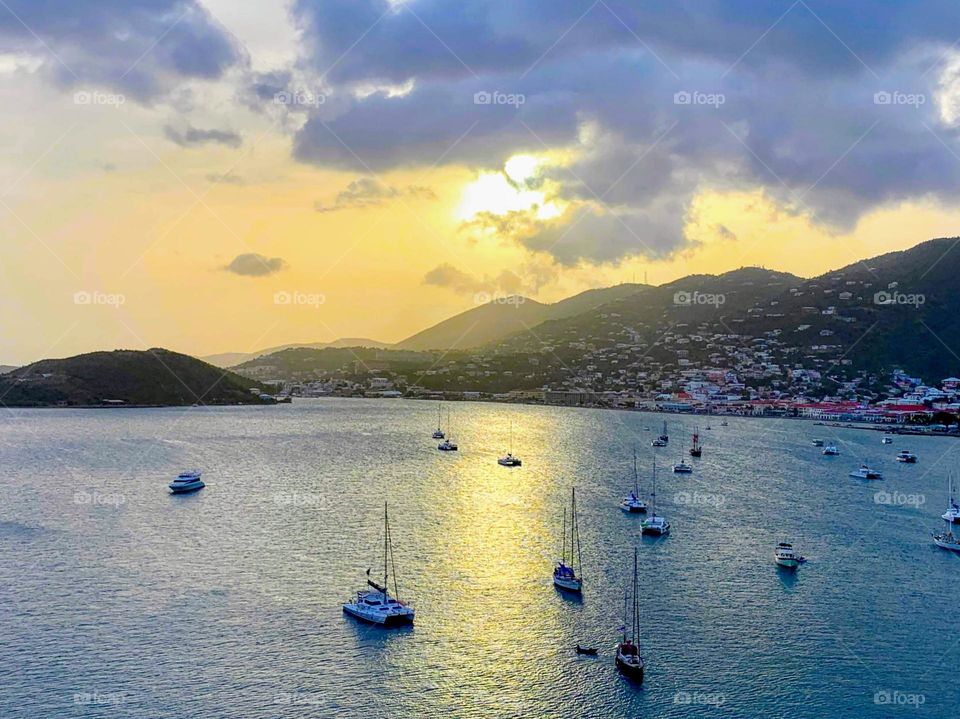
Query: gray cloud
[252,264]
[369,192]
[506,282]
[192,136]
[229,178]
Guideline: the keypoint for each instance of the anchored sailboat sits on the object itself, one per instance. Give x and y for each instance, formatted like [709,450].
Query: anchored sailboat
[377,606]
[632,504]
[508,460]
[629,661]
[564,575]
[696,449]
[448,445]
[653,524]
[438,434]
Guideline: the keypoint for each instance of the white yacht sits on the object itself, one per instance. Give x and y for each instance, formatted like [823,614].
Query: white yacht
[682,467]
[376,605]
[886,439]
[187,482]
[632,504]
[831,450]
[947,540]
[953,511]
[658,442]
[864,472]
[786,557]
[654,524]
[906,456]
[564,575]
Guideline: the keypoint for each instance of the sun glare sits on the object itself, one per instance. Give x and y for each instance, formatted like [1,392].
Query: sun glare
[501,192]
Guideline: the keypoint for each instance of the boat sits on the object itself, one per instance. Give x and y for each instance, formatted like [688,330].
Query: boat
[187,482]
[589,651]
[632,504]
[653,524]
[629,661]
[658,443]
[724,423]
[696,449]
[947,539]
[906,456]
[565,577]
[886,440]
[831,450]
[438,434]
[448,445]
[664,437]
[375,605]
[818,443]
[508,460]
[864,472]
[953,511]
[786,557]
[682,467]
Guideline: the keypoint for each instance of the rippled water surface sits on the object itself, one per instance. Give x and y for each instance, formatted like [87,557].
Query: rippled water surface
[119,600]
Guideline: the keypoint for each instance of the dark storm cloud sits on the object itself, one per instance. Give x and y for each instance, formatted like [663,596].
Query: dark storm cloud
[683,97]
[139,47]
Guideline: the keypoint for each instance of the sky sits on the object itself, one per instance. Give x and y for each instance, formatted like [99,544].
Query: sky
[212,176]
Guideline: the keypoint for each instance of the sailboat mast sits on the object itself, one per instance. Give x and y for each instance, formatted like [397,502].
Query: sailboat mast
[563,554]
[386,546]
[636,482]
[636,602]
[576,529]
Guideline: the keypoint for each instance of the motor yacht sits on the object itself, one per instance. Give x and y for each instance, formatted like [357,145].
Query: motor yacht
[187,482]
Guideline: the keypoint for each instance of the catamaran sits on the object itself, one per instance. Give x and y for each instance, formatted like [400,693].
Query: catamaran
[953,511]
[448,445]
[508,460]
[377,606]
[653,524]
[696,449]
[564,575]
[831,450]
[682,467]
[632,504]
[628,660]
[438,434]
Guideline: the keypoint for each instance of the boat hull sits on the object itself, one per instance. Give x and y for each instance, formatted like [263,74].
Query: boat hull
[632,671]
[187,488]
[630,509]
[656,531]
[568,585]
[788,563]
[380,619]
[946,545]
[696,452]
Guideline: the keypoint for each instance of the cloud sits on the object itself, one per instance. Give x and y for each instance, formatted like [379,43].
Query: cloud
[724,232]
[370,192]
[229,178]
[506,282]
[193,137]
[699,104]
[253,264]
[142,48]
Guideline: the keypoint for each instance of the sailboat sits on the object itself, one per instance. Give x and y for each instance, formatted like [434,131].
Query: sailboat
[438,434]
[696,449]
[564,575]
[953,511]
[629,661]
[448,445]
[632,504]
[377,606]
[664,437]
[947,539]
[508,460]
[653,524]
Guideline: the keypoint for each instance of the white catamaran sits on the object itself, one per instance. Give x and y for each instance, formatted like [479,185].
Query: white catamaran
[632,504]
[376,605]
[654,524]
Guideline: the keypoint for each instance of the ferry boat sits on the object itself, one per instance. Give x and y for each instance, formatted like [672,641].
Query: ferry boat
[864,472]
[375,605]
[785,556]
[628,660]
[906,456]
[438,434]
[831,450]
[565,577]
[187,482]
[696,449]
[632,504]
[653,524]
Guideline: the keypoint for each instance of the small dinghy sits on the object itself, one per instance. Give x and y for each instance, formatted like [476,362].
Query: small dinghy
[589,651]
